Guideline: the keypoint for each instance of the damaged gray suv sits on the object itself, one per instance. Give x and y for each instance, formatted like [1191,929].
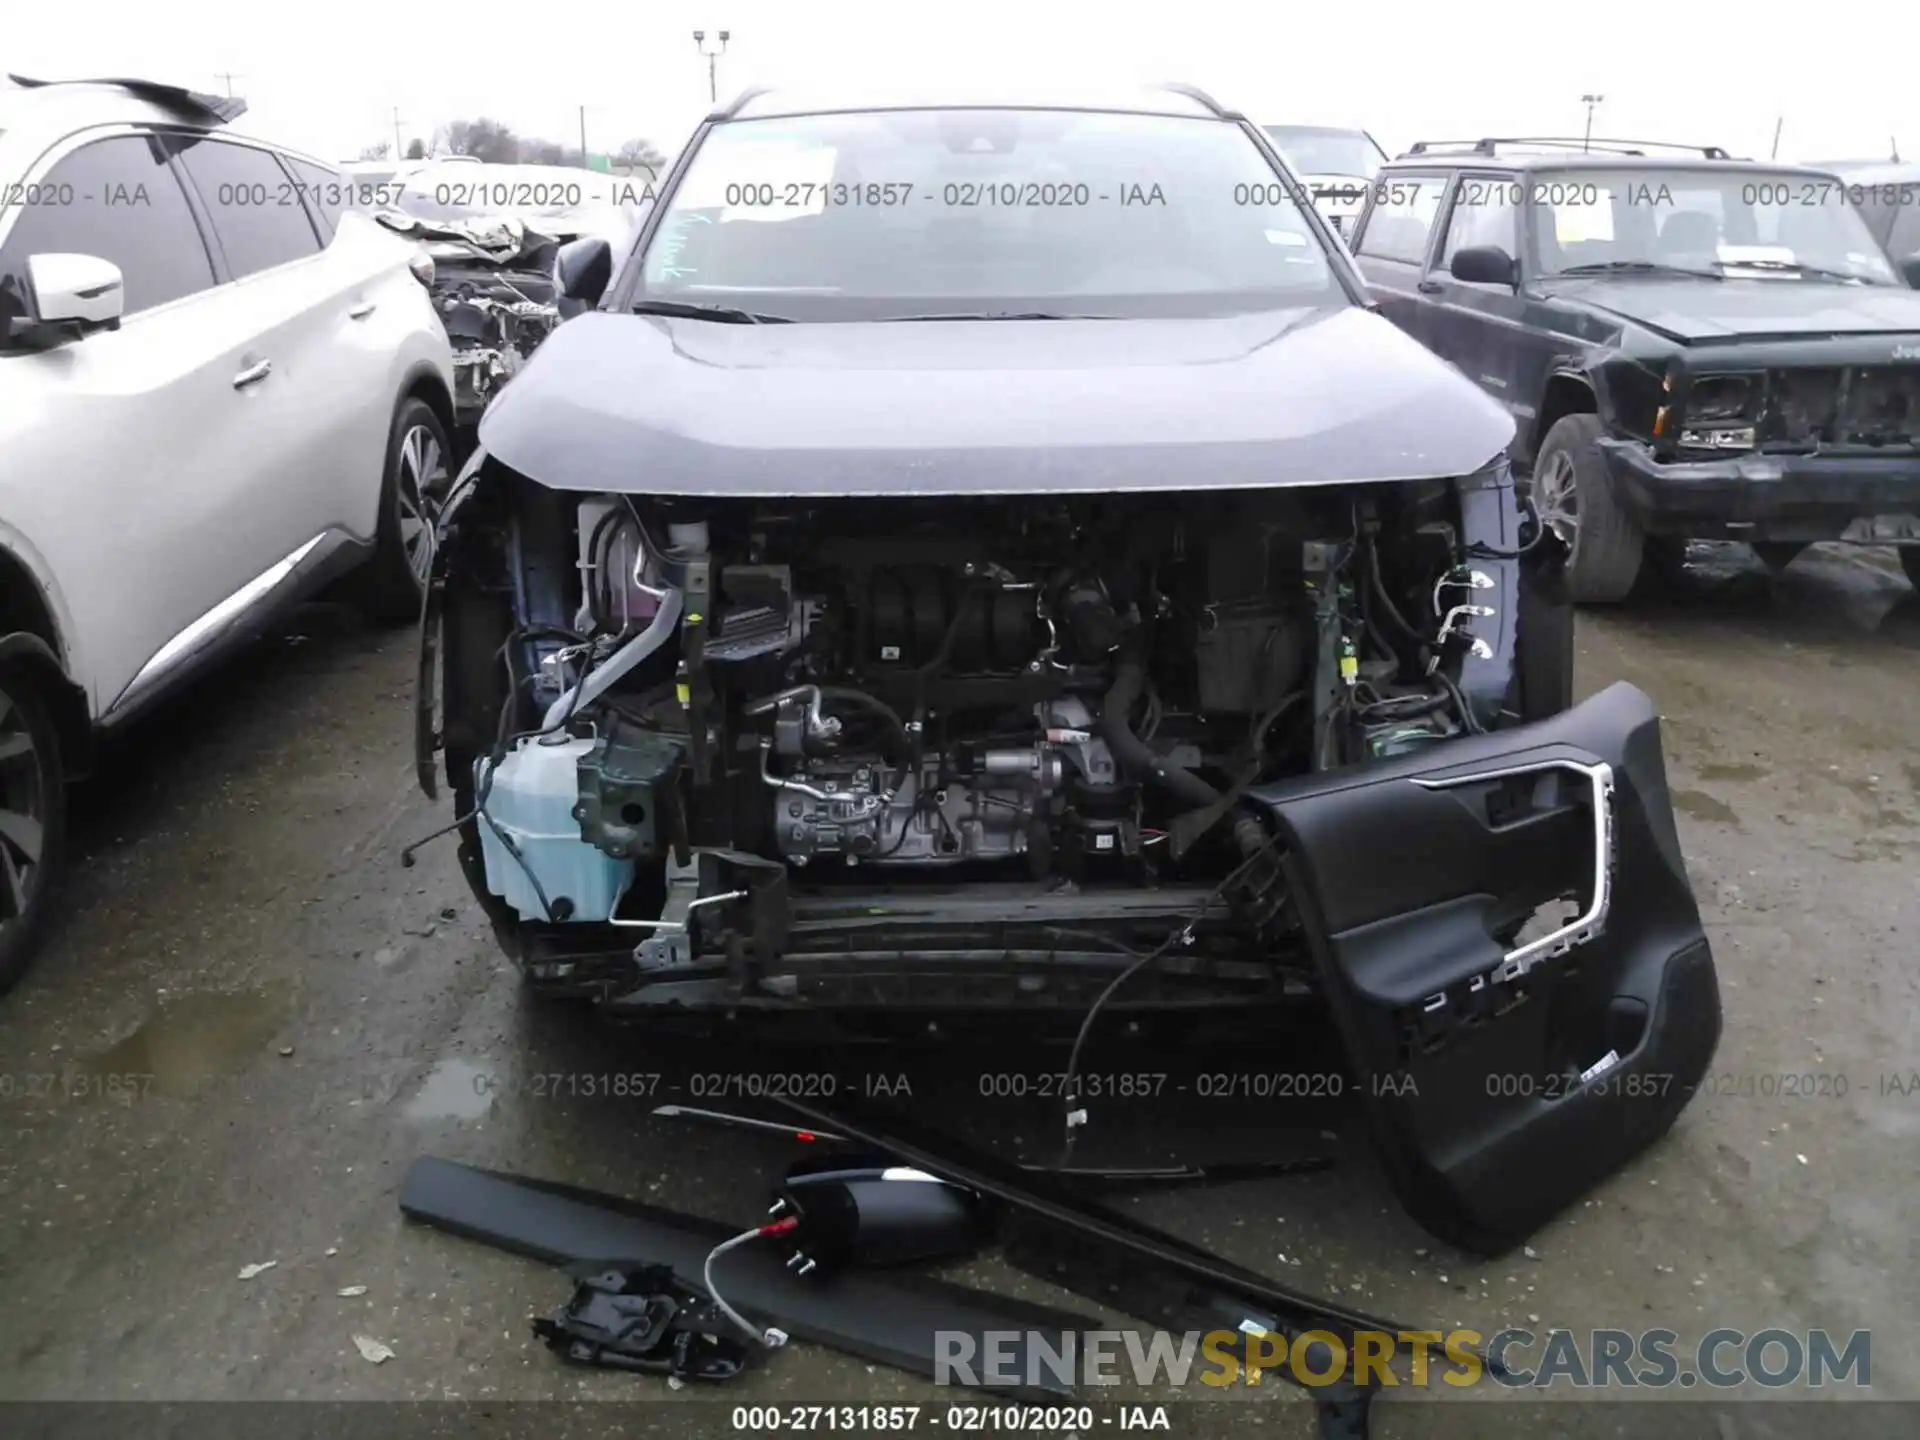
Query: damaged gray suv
[964,555]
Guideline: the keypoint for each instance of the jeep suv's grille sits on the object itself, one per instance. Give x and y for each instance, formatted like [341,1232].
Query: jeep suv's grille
[1863,405]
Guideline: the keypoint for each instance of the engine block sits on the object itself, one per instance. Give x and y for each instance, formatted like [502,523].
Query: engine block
[839,807]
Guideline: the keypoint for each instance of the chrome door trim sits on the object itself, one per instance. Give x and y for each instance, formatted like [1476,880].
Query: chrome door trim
[1599,778]
[209,629]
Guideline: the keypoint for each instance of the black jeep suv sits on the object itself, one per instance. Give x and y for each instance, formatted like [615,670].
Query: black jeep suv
[1691,345]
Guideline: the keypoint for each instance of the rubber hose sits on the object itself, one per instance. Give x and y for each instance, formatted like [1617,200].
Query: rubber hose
[1133,753]
[904,752]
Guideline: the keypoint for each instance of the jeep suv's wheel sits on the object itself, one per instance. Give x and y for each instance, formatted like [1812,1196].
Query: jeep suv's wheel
[1576,500]
[33,818]
[1910,562]
[410,494]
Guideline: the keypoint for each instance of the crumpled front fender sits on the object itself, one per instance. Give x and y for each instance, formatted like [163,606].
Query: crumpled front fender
[1506,1071]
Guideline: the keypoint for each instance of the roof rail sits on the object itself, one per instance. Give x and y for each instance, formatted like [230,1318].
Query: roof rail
[1196,94]
[732,108]
[195,103]
[1490,145]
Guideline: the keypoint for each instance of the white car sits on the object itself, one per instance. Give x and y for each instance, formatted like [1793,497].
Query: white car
[217,392]
[492,232]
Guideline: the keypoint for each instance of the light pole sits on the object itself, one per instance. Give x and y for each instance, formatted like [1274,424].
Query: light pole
[1590,101]
[713,56]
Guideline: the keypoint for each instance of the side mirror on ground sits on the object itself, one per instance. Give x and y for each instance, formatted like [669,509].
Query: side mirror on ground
[1485,265]
[68,295]
[1910,267]
[582,269]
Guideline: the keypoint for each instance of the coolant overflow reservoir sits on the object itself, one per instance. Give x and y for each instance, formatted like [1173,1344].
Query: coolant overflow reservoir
[530,808]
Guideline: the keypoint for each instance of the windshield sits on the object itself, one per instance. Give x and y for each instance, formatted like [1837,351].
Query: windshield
[1726,222]
[889,214]
[1314,150]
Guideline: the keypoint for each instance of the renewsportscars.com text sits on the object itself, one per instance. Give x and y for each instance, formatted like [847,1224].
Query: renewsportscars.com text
[1593,1359]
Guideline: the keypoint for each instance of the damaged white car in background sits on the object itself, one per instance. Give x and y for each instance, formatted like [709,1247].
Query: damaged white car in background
[490,233]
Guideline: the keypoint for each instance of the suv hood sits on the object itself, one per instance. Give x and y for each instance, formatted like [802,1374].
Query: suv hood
[497,240]
[1695,312]
[649,404]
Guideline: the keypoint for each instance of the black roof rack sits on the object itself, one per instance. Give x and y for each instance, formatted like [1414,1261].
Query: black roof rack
[195,103]
[1490,145]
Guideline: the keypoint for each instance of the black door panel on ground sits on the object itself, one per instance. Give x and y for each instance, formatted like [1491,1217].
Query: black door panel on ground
[1472,1045]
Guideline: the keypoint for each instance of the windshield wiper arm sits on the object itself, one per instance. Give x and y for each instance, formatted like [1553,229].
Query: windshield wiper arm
[998,315]
[1636,267]
[725,314]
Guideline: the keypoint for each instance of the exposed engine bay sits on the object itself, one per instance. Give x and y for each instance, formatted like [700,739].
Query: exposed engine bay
[493,288]
[1273,757]
[727,724]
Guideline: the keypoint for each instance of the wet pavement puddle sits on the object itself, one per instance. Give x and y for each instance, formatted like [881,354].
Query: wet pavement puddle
[452,1090]
[191,1040]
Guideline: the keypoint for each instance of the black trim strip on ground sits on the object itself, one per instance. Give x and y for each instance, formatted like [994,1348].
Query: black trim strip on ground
[890,1318]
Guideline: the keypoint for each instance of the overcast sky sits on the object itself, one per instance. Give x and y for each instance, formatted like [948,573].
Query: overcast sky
[326,78]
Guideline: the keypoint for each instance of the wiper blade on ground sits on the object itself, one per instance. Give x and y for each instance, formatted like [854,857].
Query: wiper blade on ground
[999,315]
[1636,267]
[725,314]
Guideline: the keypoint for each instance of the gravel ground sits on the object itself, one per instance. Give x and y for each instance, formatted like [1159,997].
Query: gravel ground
[312,1016]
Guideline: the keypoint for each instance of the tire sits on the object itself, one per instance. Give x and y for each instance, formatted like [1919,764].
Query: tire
[1910,562]
[33,818]
[1776,555]
[393,584]
[1543,660]
[1575,496]
[1661,567]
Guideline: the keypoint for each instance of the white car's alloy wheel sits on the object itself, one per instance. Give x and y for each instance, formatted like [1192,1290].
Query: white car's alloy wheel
[23,792]
[422,483]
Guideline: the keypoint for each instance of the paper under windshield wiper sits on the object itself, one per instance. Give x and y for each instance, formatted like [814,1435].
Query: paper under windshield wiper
[1795,267]
[1636,267]
[998,315]
[725,314]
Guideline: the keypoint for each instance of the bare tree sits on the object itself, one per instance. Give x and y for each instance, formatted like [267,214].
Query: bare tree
[638,154]
[495,142]
[484,139]
[376,152]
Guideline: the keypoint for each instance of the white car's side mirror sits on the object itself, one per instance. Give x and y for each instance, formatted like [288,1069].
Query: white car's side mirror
[75,289]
